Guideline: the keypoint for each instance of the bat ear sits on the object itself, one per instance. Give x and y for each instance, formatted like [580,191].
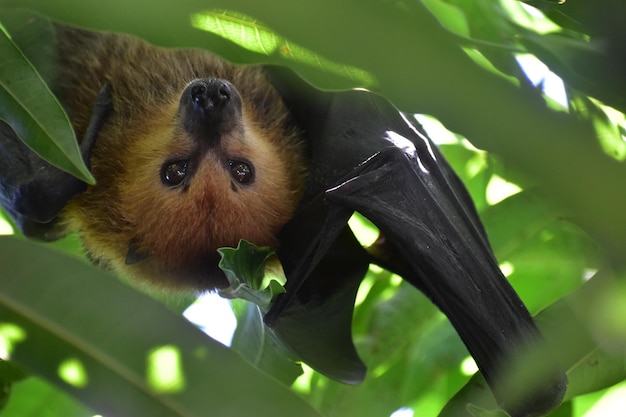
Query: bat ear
[32,191]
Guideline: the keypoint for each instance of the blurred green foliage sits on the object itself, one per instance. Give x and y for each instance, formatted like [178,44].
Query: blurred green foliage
[457,60]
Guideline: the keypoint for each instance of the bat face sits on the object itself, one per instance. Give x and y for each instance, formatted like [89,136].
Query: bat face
[197,175]
[195,155]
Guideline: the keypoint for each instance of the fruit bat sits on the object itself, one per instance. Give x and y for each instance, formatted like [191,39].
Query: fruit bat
[191,153]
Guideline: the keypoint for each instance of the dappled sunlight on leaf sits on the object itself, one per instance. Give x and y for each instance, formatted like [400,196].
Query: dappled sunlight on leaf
[611,403]
[528,17]
[73,372]
[507,268]
[238,28]
[5,226]
[476,164]
[10,335]
[610,138]
[468,366]
[436,130]
[433,399]
[165,370]
[499,189]
[364,230]
[302,384]
[364,288]
[393,286]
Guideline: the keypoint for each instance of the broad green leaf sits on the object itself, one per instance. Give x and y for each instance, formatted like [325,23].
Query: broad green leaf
[253,35]
[238,28]
[33,112]
[598,370]
[103,343]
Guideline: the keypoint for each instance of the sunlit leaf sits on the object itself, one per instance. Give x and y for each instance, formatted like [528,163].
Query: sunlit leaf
[450,16]
[253,35]
[608,131]
[528,17]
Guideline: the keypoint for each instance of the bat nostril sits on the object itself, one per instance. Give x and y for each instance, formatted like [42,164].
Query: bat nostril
[200,96]
[198,91]
[210,94]
[223,92]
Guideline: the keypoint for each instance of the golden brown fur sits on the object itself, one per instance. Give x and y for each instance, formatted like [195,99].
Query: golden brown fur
[176,232]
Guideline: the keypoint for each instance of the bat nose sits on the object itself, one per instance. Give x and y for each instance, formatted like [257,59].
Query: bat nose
[209,109]
[211,94]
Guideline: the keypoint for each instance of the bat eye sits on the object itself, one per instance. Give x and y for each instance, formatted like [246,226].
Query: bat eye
[241,171]
[174,173]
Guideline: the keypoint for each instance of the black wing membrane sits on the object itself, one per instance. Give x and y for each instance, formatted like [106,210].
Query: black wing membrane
[370,158]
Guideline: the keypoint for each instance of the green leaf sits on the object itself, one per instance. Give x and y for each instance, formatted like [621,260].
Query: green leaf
[245,269]
[608,132]
[104,342]
[539,247]
[30,108]
[238,28]
[249,33]
[258,344]
[450,16]
[598,370]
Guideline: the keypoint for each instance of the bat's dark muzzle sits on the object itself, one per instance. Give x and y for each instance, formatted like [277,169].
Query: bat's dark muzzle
[210,96]
[209,109]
